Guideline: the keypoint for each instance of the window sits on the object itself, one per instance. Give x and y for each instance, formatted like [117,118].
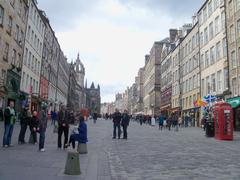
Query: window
[25,56]
[9,28]
[210,8]
[29,58]
[187,102]
[233,59]
[208,85]
[198,79]
[4,76]
[6,50]
[219,80]
[201,39]
[194,82]
[197,36]
[37,86]
[238,4]
[213,83]
[14,55]
[202,61]
[206,59]
[21,38]
[16,32]
[193,42]
[20,8]
[190,84]
[203,87]
[234,86]
[225,78]
[32,36]
[218,51]
[206,35]
[216,4]
[232,33]
[211,31]
[200,18]
[217,26]
[190,101]
[212,55]
[205,14]
[224,46]
[238,28]
[223,20]
[19,60]
[32,65]
[1,15]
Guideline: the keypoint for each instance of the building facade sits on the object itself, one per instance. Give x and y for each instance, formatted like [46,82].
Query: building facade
[32,59]
[233,40]
[151,80]
[93,99]
[13,22]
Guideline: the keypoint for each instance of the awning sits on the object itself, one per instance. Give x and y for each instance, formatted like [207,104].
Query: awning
[234,102]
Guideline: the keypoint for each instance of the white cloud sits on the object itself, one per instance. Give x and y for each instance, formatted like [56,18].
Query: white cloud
[112,39]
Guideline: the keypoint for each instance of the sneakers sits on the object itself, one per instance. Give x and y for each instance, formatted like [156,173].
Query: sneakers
[5,146]
[42,150]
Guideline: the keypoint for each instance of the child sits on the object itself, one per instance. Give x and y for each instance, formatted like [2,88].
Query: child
[34,126]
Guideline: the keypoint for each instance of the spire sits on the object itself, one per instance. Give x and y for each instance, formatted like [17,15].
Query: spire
[98,86]
[78,57]
[86,84]
[92,86]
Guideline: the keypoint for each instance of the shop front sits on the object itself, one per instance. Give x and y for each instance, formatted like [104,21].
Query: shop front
[235,103]
[193,116]
[13,86]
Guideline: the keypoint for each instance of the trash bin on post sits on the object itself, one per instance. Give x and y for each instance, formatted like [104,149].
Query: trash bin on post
[210,128]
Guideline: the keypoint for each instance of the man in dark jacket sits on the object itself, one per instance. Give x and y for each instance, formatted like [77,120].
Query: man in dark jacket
[9,121]
[42,126]
[25,117]
[125,123]
[116,123]
[63,126]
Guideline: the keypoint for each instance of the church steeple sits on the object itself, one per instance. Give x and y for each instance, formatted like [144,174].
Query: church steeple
[92,86]
[86,84]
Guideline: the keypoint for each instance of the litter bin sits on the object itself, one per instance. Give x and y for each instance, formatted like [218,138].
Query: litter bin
[210,128]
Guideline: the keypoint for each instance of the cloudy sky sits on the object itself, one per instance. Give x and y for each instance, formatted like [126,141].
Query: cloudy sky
[113,36]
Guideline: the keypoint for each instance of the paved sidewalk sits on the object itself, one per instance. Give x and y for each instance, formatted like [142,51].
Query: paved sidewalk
[148,154]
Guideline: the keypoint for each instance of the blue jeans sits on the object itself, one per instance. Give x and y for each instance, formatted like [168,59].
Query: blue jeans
[7,134]
[116,127]
[42,138]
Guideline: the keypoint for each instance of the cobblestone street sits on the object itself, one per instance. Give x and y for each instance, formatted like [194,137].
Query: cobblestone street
[148,154]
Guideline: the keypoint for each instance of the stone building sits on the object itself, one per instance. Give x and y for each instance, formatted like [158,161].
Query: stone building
[139,84]
[32,59]
[13,23]
[151,80]
[190,76]
[233,39]
[213,49]
[93,99]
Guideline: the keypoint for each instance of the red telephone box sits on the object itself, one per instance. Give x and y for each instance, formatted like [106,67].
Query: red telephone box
[223,121]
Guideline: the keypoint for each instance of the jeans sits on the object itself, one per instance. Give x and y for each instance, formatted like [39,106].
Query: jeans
[34,135]
[41,138]
[21,136]
[7,134]
[61,130]
[116,126]
[125,131]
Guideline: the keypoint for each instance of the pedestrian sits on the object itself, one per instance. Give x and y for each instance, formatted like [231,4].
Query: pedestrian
[42,126]
[125,123]
[81,136]
[169,123]
[63,127]
[160,121]
[34,126]
[153,121]
[116,123]
[25,117]
[95,116]
[9,121]
[179,121]
[53,117]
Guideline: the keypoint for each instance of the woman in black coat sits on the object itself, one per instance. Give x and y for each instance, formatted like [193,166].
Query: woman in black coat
[34,126]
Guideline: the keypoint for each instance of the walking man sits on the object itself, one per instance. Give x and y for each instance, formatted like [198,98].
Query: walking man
[63,127]
[116,123]
[125,123]
[10,118]
[42,126]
